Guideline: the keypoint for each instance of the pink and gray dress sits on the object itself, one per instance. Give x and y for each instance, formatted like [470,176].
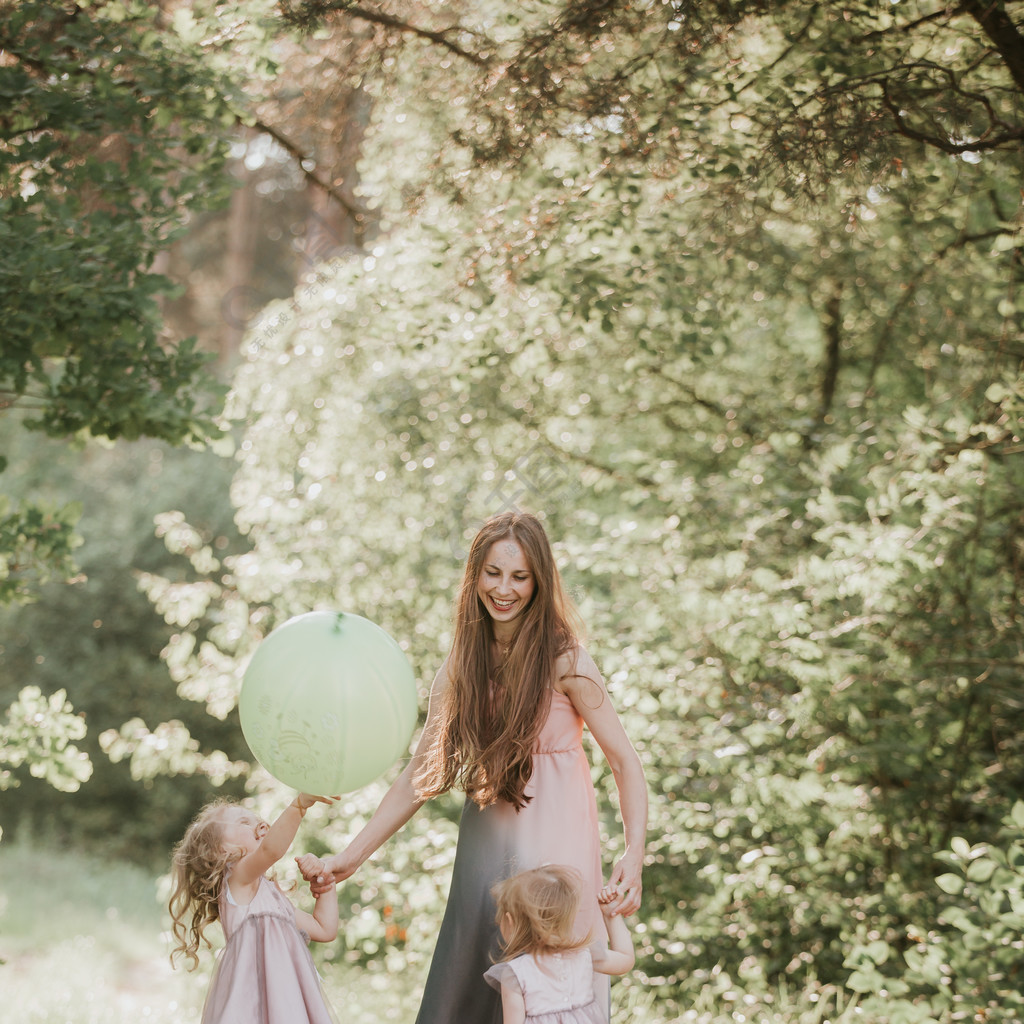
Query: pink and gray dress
[558,826]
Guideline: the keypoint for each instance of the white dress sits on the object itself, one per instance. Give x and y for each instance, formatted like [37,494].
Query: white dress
[557,988]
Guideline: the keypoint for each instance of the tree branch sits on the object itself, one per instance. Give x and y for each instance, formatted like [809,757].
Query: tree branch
[440,38]
[946,145]
[833,347]
[1000,29]
[909,294]
[713,407]
[358,213]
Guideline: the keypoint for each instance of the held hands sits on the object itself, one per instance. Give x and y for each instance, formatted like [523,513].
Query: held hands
[310,865]
[608,898]
[323,875]
[610,901]
[623,892]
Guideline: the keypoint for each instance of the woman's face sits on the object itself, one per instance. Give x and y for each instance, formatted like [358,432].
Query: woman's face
[506,582]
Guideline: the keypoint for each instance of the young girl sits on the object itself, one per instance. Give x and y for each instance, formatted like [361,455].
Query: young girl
[547,975]
[265,974]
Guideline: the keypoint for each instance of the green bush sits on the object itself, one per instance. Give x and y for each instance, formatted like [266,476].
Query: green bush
[968,962]
[98,641]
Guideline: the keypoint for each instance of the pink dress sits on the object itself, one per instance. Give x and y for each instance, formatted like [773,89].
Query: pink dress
[558,826]
[265,974]
[556,988]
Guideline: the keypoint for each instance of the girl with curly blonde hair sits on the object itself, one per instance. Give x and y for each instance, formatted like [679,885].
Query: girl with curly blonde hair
[219,874]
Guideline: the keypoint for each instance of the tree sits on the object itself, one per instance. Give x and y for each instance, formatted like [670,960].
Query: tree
[814,91]
[107,144]
[96,645]
[118,124]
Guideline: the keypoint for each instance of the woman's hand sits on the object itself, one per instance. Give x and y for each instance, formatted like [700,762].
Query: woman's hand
[626,881]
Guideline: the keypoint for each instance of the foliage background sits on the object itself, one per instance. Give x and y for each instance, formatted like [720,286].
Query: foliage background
[731,298]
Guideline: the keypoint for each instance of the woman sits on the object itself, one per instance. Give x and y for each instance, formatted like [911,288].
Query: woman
[505,724]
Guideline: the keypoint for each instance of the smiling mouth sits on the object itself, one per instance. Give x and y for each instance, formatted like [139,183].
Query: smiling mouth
[502,606]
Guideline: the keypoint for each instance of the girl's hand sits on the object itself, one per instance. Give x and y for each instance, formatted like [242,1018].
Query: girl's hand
[626,883]
[609,899]
[310,865]
[306,800]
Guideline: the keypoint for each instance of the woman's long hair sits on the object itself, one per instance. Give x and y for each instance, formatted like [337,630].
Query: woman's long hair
[493,713]
[542,904]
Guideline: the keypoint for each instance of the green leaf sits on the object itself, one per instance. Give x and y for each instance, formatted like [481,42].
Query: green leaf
[951,884]
[981,870]
[961,847]
[1017,814]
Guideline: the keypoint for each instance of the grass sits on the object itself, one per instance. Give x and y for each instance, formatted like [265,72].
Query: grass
[81,942]
[84,941]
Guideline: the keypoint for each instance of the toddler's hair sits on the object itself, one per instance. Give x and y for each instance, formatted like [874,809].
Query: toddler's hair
[198,866]
[542,904]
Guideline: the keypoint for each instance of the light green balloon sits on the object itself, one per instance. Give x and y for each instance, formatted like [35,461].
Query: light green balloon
[328,702]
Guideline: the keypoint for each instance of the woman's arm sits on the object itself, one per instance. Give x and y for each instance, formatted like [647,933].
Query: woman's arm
[398,805]
[581,682]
